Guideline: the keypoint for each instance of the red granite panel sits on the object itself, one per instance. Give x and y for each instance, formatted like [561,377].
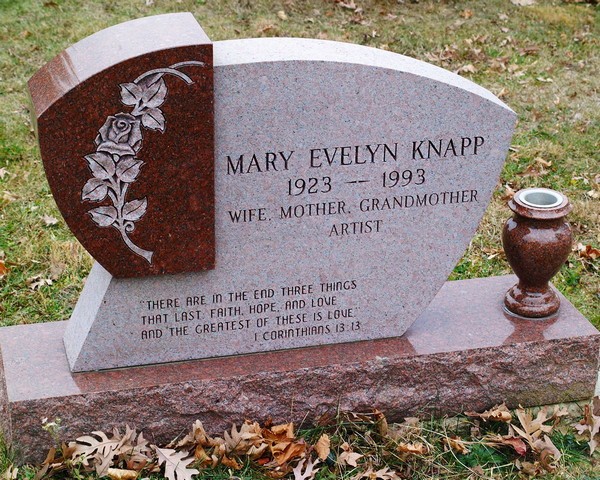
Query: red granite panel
[128,150]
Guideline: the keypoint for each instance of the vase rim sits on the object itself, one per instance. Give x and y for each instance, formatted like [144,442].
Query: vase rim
[541,197]
[540,203]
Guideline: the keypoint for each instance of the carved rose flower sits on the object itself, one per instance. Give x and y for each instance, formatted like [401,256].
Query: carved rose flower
[120,135]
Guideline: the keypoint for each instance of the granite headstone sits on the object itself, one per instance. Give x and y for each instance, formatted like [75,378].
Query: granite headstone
[348,183]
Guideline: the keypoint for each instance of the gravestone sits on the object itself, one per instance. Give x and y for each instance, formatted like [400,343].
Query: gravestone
[349,182]
[323,206]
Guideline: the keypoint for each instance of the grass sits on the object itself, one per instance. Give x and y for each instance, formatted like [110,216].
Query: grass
[543,61]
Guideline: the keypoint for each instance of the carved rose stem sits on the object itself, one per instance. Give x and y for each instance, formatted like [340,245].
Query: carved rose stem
[114,165]
[126,226]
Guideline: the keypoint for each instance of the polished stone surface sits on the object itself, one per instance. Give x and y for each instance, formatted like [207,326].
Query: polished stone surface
[463,353]
[350,176]
[125,123]
[537,241]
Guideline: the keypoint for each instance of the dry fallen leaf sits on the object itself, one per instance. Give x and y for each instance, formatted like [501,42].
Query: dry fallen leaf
[323,446]
[585,251]
[516,443]
[466,13]
[49,220]
[231,463]
[121,474]
[548,453]
[348,457]
[589,425]
[266,28]
[348,5]
[416,448]
[383,474]
[309,471]
[528,468]
[98,448]
[9,196]
[382,424]
[175,464]
[499,413]
[593,194]
[457,444]
[282,15]
[3,173]
[522,3]
[10,473]
[248,436]
[36,282]
[285,452]
[198,436]
[3,269]
[543,162]
[509,192]
[502,93]
[282,432]
[470,68]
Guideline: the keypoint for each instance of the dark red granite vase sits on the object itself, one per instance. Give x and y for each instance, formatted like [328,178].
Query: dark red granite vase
[537,241]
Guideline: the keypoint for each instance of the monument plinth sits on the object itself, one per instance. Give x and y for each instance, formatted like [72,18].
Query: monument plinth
[463,353]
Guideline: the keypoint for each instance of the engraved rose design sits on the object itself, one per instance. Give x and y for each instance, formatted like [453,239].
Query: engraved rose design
[114,165]
[121,134]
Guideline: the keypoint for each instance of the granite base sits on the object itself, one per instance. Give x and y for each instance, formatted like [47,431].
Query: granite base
[463,353]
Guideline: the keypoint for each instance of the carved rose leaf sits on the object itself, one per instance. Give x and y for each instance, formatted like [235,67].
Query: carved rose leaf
[128,169]
[154,119]
[120,135]
[101,165]
[95,190]
[104,216]
[135,209]
[154,95]
[150,80]
[131,93]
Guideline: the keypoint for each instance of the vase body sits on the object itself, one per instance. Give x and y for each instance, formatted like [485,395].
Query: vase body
[537,241]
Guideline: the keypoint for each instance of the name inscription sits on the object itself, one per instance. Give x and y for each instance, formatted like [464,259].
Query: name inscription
[404,171]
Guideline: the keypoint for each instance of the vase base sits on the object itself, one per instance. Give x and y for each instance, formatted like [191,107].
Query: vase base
[526,303]
[516,316]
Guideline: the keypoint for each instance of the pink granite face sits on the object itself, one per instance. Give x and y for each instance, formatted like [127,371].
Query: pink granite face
[125,127]
[349,182]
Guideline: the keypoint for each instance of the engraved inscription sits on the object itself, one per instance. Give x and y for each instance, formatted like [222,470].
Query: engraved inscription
[263,314]
[401,172]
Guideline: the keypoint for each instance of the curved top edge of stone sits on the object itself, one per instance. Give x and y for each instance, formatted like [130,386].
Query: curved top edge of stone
[109,47]
[277,49]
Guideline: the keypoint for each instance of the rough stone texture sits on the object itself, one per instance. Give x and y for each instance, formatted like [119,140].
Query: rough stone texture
[98,116]
[464,353]
[322,105]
